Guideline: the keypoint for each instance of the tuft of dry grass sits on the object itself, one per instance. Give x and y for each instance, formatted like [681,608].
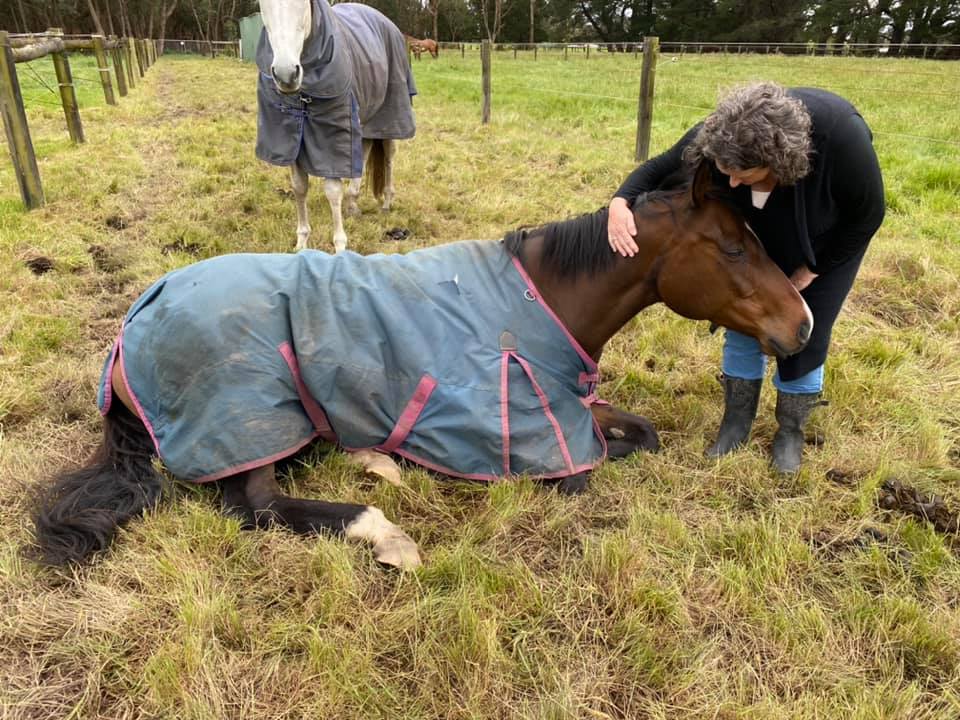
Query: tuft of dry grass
[676,587]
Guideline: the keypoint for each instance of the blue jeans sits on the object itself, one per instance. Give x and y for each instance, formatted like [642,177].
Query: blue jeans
[743,359]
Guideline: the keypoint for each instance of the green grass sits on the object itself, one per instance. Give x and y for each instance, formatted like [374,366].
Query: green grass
[676,587]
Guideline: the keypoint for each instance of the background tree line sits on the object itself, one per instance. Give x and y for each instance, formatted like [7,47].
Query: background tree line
[896,21]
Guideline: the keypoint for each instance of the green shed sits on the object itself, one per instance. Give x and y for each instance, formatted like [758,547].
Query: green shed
[250,28]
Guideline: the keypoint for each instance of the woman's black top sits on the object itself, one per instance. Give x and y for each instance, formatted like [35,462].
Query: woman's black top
[825,220]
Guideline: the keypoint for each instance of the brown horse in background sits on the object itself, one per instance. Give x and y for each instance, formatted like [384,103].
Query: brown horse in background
[419,46]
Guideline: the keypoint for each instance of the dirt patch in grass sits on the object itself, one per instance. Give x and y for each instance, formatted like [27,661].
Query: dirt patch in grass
[830,542]
[180,245]
[39,265]
[104,260]
[116,222]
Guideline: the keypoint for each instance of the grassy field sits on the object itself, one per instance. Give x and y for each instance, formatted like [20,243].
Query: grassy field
[675,587]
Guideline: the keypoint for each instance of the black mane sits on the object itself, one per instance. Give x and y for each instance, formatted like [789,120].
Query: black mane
[579,245]
[570,247]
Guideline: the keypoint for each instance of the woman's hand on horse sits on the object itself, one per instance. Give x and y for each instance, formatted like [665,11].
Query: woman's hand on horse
[621,228]
[802,277]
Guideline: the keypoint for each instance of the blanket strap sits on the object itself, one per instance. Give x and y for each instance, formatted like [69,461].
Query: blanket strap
[506,357]
[316,414]
[408,418]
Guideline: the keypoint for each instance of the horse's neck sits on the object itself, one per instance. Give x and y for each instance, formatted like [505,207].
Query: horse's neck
[594,307]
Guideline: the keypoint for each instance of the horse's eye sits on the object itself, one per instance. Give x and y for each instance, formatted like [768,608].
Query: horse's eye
[734,253]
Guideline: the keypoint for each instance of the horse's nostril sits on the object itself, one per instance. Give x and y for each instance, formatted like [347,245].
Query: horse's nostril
[803,332]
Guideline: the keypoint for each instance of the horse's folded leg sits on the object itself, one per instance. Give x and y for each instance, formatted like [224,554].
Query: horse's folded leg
[574,484]
[391,545]
[234,502]
[625,432]
[377,464]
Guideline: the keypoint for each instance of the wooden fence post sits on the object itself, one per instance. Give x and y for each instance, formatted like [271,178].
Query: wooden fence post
[68,97]
[128,51]
[651,48]
[117,53]
[564,52]
[138,51]
[104,69]
[18,133]
[485,70]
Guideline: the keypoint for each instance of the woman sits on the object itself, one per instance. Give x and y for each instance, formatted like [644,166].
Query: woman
[801,166]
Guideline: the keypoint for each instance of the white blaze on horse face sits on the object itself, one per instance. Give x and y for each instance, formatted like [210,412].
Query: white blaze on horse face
[287,23]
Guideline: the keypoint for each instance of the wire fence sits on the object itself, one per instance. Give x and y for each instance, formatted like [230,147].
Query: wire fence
[681,87]
[931,51]
[29,85]
[207,48]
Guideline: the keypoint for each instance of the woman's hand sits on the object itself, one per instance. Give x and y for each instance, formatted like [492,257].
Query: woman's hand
[621,228]
[802,277]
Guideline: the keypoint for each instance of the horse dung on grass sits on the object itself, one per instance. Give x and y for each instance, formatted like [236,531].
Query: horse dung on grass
[473,359]
[333,95]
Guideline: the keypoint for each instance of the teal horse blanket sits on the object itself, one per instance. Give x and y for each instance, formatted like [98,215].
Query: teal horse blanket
[445,356]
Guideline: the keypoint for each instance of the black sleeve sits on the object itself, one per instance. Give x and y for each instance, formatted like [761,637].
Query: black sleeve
[654,171]
[856,186]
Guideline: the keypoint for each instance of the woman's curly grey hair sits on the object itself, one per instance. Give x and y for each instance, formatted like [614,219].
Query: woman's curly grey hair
[757,125]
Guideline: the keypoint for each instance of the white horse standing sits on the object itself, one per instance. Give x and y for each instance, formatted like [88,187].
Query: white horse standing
[333,95]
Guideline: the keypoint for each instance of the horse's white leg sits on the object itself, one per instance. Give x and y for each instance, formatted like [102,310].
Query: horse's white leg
[353,188]
[389,150]
[333,189]
[353,192]
[301,182]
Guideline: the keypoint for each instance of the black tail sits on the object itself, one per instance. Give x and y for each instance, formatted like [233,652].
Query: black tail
[377,168]
[79,512]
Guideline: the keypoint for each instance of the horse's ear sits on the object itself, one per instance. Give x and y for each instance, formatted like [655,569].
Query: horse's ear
[701,183]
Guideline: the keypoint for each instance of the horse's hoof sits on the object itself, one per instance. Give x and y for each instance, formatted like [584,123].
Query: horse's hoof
[398,550]
[377,464]
[574,484]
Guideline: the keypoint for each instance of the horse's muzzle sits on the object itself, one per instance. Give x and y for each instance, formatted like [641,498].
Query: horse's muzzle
[288,81]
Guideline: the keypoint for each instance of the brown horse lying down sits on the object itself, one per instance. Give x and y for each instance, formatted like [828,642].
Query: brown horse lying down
[420,46]
[696,255]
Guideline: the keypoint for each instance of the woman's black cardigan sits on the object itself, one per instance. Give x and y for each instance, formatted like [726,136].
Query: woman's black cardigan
[827,221]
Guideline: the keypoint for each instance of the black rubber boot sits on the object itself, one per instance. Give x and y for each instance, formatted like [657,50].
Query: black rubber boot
[740,408]
[792,412]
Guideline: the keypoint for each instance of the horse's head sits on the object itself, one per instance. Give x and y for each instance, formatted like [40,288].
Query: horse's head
[716,269]
[287,23]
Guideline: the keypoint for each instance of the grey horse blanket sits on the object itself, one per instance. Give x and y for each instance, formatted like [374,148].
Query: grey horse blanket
[445,356]
[357,84]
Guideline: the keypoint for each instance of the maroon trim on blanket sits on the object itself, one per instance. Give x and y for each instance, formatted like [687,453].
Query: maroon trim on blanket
[133,396]
[254,464]
[410,414]
[108,381]
[505,409]
[589,361]
[494,477]
[588,378]
[547,411]
[316,414]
